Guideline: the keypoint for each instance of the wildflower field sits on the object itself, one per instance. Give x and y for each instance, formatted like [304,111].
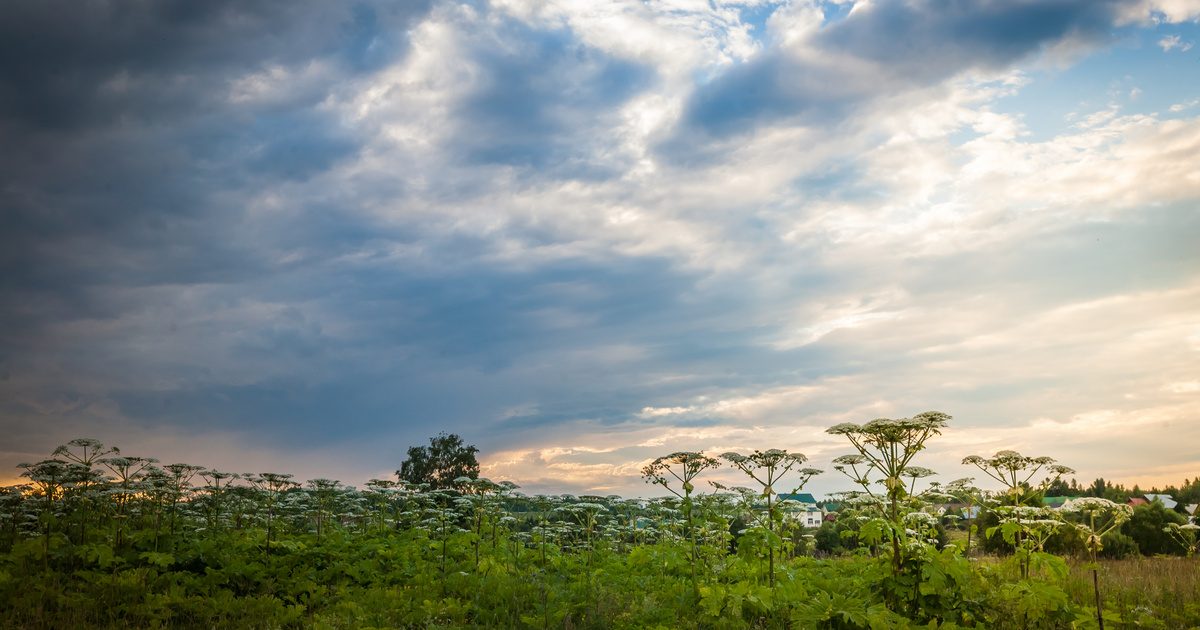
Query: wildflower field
[100,539]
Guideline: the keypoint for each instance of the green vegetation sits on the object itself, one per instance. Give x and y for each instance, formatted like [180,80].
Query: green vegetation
[99,539]
[441,463]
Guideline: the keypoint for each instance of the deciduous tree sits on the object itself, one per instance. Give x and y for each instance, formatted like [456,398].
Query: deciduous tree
[439,464]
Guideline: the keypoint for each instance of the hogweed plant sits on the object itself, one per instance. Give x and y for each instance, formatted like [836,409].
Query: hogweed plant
[1185,535]
[12,513]
[48,478]
[272,486]
[441,517]
[1095,517]
[85,453]
[380,495]
[128,472]
[681,469]
[1016,473]
[586,516]
[964,491]
[216,493]
[1027,528]
[768,469]
[179,487]
[324,493]
[886,448]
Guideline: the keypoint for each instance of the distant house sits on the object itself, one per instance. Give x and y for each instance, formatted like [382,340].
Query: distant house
[1166,500]
[1055,502]
[1136,501]
[959,509]
[804,508]
[1191,508]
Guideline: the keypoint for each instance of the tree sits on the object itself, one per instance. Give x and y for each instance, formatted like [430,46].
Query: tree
[1146,527]
[1058,488]
[439,464]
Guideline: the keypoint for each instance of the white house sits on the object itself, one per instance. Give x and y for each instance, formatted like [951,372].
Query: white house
[803,508]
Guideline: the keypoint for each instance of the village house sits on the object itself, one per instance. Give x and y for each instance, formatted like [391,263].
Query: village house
[803,508]
[1166,500]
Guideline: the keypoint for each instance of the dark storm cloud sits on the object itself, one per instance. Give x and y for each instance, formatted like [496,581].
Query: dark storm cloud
[904,44]
[541,96]
[124,155]
[458,349]
[128,165]
[70,64]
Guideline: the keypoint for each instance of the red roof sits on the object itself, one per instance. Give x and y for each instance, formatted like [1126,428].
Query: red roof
[1136,501]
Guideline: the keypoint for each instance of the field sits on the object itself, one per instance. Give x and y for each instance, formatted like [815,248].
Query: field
[119,542]
[399,580]
[1144,592]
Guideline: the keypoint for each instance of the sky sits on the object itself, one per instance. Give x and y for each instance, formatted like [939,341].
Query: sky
[301,236]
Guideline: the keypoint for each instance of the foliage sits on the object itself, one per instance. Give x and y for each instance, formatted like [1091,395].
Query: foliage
[768,469]
[1185,535]
[885,451]
[829,539]
[1096,517]
[1117,546]
[1023,523]
[439,464]
[1146,527]
[113,541]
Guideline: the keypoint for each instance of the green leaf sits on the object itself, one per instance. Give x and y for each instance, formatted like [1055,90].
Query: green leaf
[161,560]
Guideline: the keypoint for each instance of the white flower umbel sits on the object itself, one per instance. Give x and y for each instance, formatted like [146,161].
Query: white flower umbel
[682,467]
[1187,535]
[768,468]
[1015,471]
[1096,517]
[886,448]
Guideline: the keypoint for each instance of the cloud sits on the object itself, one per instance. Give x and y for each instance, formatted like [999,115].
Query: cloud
[825,74]
[881,49]
[585,235]
[138,132]
[1172,42]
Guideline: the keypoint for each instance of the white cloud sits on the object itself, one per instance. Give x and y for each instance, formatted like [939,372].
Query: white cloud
[1161,11]
[1172,42]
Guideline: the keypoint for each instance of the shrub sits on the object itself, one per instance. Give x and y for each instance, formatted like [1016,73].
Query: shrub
[829,539]
[1118,546]
[1146,528]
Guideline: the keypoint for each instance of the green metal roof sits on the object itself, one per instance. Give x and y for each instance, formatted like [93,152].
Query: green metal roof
[802,497]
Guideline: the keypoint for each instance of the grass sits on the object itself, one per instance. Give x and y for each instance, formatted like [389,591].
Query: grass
[1138,592]
[1131,588]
